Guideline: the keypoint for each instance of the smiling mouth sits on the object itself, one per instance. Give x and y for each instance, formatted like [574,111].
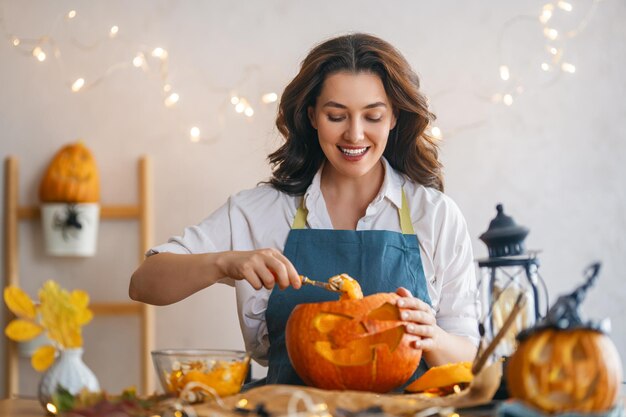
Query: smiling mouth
[353,151]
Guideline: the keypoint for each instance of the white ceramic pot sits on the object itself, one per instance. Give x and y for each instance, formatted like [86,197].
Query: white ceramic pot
[70,229]
[68,371]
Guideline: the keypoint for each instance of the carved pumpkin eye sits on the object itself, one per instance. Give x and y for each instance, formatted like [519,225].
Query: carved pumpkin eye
[351,344]
[566,370]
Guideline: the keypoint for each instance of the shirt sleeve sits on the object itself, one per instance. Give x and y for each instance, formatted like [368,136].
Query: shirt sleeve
[459,306]
[213,234]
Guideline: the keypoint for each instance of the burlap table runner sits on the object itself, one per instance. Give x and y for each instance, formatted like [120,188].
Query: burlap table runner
[289,400]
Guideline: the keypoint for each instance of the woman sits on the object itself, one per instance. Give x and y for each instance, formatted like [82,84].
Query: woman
[356,188]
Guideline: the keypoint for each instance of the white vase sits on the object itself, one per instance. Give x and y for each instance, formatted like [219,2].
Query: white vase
[68,371]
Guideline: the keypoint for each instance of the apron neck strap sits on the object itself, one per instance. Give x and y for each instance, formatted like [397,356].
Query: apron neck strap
[299,221]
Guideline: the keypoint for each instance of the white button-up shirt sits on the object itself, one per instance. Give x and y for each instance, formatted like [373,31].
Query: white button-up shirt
[262,218]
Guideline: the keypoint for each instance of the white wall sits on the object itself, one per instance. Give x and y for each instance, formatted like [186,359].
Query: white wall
[555,158]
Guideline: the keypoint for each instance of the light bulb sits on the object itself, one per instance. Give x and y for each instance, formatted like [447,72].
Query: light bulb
[167,88]
[545,66]
[565,6]
[15,41]
[545,16]
[39,54]
[51,408]
[78,84]
[504,72]
[553,50]
[139,60]
[113,32]
[172,99]
[496,98]
[194,134]
[436,132]
[71,14]
[269,98]
[240,107]
[567,67]
[249,111]
[551,33]
[234,100]
[507,99]
[159,53]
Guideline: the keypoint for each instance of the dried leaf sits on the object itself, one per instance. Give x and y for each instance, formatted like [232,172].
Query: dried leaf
[22,330]
[79,298]
[19,302]
[43,357]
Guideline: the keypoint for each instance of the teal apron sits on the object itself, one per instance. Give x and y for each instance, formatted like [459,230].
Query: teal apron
[380,260]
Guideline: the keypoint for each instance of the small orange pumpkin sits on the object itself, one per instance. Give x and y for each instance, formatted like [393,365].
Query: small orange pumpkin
[71,177]
[559,370]
[357,344]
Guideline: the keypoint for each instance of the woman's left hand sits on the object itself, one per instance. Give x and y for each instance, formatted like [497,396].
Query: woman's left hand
[423,323]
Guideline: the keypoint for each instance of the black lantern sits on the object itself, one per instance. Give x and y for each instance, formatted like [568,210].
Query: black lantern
[509,271]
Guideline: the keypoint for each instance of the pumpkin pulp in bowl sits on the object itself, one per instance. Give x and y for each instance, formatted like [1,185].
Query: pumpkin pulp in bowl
[357,343]
[197,374]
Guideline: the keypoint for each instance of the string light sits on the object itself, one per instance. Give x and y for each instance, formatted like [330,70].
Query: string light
[269,98]
[504,72]
[194,134]
[551,33]
[172,99]
[139,60]
[243,106]
[159,53]
[240,107]
[546,13]
[78,84]
[51,408]
[563,5]
[436,132]
[39,54]
[567,67]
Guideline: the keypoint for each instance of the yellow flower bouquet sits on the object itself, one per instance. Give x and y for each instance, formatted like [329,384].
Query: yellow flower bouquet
[60,313]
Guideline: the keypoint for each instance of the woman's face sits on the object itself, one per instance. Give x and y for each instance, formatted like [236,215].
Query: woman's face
[353,117]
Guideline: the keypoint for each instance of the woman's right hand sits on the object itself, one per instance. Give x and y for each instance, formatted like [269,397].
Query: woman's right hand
[261,268]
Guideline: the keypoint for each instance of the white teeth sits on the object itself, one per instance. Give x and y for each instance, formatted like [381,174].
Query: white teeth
[353,151]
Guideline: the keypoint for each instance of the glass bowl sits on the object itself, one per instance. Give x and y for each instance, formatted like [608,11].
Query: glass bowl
[198,374]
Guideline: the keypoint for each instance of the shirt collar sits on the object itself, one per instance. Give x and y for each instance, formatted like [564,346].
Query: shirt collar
[391,188]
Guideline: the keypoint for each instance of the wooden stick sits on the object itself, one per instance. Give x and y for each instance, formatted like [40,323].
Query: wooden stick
[481,358]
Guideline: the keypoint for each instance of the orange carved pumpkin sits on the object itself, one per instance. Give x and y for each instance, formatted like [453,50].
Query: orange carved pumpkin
[358,344]
[566,370]
[71,177]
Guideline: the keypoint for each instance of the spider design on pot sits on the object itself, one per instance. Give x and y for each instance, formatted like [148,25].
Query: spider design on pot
[70,224]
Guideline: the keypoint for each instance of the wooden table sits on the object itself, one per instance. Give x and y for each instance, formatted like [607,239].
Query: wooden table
[32,408]
[21,408]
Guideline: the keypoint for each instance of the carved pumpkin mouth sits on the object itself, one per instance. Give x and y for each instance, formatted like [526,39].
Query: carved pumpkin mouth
[354,342]
[566,370]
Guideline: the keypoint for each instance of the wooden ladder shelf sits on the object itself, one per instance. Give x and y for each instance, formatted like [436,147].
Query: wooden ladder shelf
[142,212]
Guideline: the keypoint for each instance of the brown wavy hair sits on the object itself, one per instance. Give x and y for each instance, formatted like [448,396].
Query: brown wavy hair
[409,149]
